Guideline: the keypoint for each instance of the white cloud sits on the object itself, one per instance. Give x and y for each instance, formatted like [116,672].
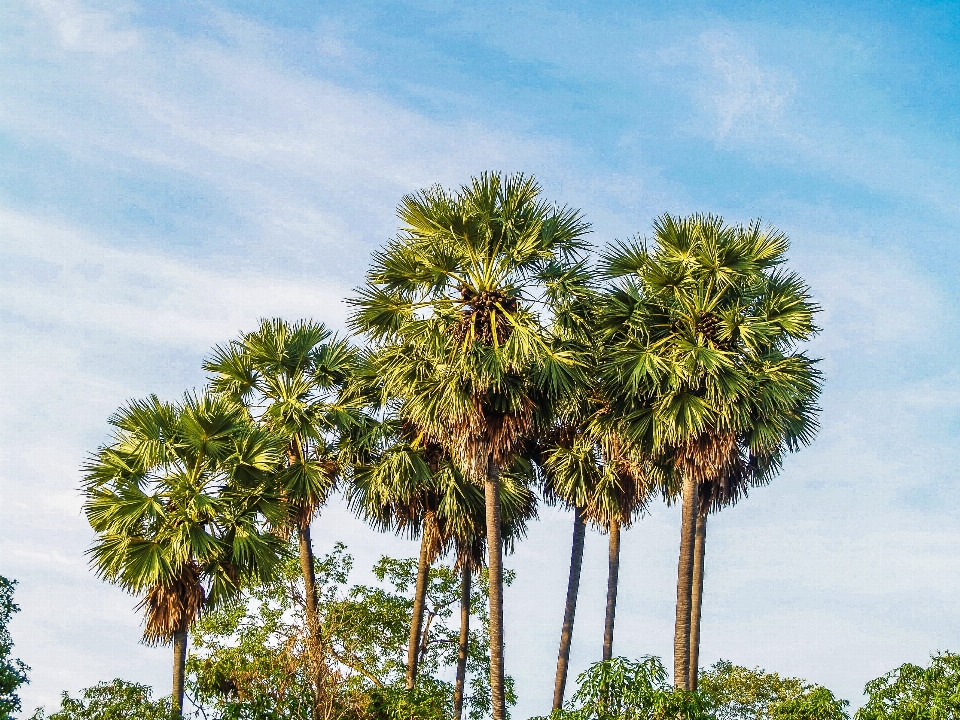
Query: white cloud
[297,157]
[746,96]
[747,99]
[81,29]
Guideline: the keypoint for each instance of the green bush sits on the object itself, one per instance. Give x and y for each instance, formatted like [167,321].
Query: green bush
[912,692]
[621,689]
[13,673]
[739,693]
[116,700]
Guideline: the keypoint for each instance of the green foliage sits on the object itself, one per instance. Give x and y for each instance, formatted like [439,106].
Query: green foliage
[817,704]
[13,673]
[739,693]
[700,328]
[252,659]
[116,700]
[912,692]
[621,689]
[462,307]
[290,378]
[178,506]
[394,702]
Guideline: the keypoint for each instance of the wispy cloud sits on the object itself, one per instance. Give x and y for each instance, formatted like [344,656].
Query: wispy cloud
[745,96]
[750,99]
[61,277]
[302,159]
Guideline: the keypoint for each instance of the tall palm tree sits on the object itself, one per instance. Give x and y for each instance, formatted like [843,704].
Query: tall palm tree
[291,378]
[622,494]
[570,474]
[461,304]
[406,483]
[695,321]
[591,466]
[464,511]
[178,506]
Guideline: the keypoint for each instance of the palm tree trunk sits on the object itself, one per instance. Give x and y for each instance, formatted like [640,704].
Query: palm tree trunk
[699,553]
[309,583]
[179,672]
[681,637]
[491,491]
[464,640]
[573,589]
[419,600]
[612,582]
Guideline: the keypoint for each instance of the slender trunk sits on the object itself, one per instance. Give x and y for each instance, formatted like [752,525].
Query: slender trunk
[699,553]
[573,589]
[419,601]
[464,640]
[681,637]
[179,671]
[613,577]
[309,583]
[491,491]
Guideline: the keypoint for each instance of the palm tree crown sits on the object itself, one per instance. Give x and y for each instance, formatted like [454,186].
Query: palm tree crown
[461,303]
[290,377]
[700,332]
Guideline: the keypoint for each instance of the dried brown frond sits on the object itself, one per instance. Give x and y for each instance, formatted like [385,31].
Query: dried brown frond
[173,607]
[436,540]
[716,464]
[471,555]
[483,434]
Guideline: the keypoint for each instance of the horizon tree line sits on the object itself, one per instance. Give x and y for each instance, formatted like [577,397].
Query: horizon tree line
[494,358]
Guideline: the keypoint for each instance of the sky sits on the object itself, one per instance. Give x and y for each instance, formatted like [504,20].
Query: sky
[170,172]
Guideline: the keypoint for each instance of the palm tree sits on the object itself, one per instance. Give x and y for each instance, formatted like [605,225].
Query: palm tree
[291,378]
[701,326]
[464,511]
[178,506]
[590,466]
[570,474]
[405,483]
[461,305]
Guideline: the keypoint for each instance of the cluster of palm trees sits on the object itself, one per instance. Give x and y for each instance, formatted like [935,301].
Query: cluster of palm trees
[497,360]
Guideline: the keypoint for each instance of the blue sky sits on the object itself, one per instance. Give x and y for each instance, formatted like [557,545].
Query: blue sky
[170,172]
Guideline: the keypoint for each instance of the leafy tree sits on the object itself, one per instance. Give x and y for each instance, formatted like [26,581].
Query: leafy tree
[177,503]
[13,672]
[115,700]
[739,693]
[912,692]
[461,306]
[252,659]
[290,377]
[622,689]
[700,327]
[818,704]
